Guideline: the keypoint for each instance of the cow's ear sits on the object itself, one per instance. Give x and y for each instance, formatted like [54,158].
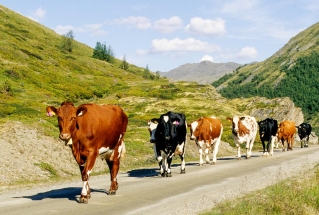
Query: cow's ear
[229,119]
[242,118]
[51,111]
[81,111]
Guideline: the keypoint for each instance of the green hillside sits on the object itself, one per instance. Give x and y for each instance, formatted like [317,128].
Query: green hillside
[293,71]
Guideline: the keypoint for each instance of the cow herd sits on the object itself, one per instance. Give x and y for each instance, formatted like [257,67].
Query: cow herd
[207,132]
[94,131]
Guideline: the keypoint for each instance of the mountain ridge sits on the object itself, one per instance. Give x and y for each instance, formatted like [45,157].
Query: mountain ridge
[204,72]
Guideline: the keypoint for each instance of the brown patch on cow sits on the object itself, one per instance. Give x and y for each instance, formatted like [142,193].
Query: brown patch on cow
[242,129]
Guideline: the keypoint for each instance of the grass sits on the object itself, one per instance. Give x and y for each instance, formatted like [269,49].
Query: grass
[296,196]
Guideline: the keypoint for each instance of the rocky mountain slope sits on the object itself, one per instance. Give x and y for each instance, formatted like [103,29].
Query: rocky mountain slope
[204,72]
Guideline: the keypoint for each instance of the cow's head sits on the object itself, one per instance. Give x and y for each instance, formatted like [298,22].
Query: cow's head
[302,130]
[192,128]
[164,133]
[238,128]
[262,128]
[67,115]
[152,125]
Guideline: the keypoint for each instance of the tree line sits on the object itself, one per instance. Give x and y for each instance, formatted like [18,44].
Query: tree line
[301,85]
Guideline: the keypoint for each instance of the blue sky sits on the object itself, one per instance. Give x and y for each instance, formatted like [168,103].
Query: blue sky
[168,33]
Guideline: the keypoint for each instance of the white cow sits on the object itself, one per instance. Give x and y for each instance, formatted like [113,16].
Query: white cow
[244,130]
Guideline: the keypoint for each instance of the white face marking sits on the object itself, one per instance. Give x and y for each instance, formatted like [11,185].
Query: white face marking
[235,121]
[165,118]
[152,125]
[194,126]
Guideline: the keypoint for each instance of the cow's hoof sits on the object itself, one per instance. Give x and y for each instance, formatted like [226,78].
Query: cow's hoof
[111,192]
[168,174]
[183,171]
[239,158]
[163,174]
[83,199]
[213,163]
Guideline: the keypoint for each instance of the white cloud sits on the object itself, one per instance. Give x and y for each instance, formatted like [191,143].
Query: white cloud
[168,25]
[206,27]
[207,57]
[139,22]
[178,45]
[141,52]
[93,29]
[247,53]
[64,29]
[38,15]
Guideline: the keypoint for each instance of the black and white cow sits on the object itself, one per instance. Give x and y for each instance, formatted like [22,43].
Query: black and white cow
[267,131]
[304,130]
[168,133]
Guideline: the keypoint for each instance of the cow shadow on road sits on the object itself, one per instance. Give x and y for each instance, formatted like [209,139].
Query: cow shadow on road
[71,193]
[153,172]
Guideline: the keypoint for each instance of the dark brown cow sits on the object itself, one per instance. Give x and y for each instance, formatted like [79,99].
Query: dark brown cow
[206,131]
[286,132]
[92,130]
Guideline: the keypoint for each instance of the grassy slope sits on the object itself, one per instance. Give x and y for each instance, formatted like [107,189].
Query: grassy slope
[269,72]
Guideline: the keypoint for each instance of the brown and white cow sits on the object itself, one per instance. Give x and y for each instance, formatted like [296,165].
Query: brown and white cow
[244,129]
[92,130]
[286,132]
[206,131]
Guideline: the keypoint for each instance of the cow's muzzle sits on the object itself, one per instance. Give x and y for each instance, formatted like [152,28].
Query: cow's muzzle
[66,138]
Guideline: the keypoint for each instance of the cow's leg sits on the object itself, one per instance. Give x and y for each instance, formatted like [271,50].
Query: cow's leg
[283,144]
[249,147]
[182,156]
[114,168]
[169,161]
[289,144]
[85,171]
[306,141]
[272,144]
[181,150]
[160,164]
[264,147]
[201,162]
[238,151]
[207,160]
[268,147]
[215,151]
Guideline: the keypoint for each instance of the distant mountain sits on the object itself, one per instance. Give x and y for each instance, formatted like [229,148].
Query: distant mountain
[204,72]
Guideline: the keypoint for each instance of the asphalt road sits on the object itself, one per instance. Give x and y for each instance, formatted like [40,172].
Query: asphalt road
[142,191]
